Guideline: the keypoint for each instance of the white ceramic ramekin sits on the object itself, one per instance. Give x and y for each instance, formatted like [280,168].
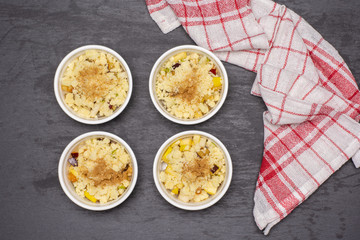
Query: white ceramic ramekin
[60,95]
[68,187]
[156,68]
[159,165]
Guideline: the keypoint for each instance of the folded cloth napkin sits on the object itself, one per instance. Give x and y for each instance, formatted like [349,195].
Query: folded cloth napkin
[311,126]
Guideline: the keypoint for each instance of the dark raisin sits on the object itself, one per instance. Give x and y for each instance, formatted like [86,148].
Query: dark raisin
[213,71]
[75,155]
[214,169]
[176,65]
[110,106]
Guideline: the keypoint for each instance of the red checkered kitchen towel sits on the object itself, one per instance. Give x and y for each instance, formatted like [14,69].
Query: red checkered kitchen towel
[311,125]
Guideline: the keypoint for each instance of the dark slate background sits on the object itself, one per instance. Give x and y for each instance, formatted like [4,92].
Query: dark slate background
[36,35]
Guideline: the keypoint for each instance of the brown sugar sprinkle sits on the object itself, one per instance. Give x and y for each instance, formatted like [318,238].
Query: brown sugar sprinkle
[188,88]
[102,175]
[195,169]
[93,82]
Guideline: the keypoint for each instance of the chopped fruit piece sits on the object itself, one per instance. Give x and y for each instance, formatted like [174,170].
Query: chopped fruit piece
[73,172]
[110,106]
[196,139]
[169,170]
[184,148]
[201,154]
[198,114]
[175,190]
[90,197]
[167,70]
[167,152]
[110,65]
[217,81]
[72,178]
[198,190]
[185,144]
[208,59]
[75,154]
[214,168]
[129,171]
[67,88]
[176,65]
[180,56]
[213,71]
[113,152]
[209,188]
[121,187]
[73,162]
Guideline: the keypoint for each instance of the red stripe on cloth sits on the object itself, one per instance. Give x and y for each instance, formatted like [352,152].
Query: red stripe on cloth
[280,191]
[227,56]
[236,42]
[288,143]
[223,26]
[270,201]
[185,16]
[288,52]
[159,8]
[281,109]
[290,49]
[208,22]
[207,36]
[332,75]
[227,6]
[256,61]
[308,144]
[325,54]
[278,19]
[243,25]
[272,172]
[326,136]
[312,89]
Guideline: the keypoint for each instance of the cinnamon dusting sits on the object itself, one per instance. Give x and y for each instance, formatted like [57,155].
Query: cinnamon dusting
[93,82]
[102,175]
[188,88]
[196,169]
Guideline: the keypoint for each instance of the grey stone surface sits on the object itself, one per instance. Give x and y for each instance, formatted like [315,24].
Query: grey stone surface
[36,35]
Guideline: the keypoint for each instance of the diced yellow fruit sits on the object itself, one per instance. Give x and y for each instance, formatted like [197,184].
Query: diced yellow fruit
[72,178]
[198,114]
[90,197]
[180,185]
[217,81]
[169,170]
[167,152]
[201,154]
[174,143]
[185,144]
[175,190]
[210,189]
[110,65]
[67,88]
[73,172]
[196,139]
[180,56]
